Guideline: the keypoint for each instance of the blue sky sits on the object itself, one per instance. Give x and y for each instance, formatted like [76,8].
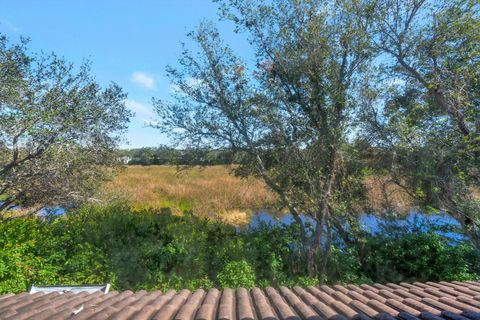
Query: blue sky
[129,42]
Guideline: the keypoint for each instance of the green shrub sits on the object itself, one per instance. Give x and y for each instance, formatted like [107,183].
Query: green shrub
[345,267]
[148,249]
[27,254]
[237,274]
[419,257]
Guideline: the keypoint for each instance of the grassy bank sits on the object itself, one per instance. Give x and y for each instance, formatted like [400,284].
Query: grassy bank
[145,250]
[208,191]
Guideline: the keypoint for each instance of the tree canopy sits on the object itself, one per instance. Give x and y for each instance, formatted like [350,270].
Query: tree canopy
[332,79]
[289,116]
[426,113]
[58,128]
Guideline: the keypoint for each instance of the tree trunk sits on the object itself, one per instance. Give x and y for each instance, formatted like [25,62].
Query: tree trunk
[456,114]
[469,227]
[314,251]
[322,219]
[313,255]
[326,254]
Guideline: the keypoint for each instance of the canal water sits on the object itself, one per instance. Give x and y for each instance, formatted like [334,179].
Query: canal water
[371,223]
[374,224]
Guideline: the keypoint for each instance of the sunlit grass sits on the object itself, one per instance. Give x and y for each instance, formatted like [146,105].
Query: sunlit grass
[214,192]
[210,191]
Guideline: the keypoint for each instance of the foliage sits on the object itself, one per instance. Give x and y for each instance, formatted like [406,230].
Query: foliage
[287,118]
[58,128]
[424,112]
[419,257]
[237,274]
[148,249]
[27,255]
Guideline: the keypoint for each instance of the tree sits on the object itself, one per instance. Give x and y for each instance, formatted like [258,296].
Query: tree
[430,122]
[58,128]
[290,117]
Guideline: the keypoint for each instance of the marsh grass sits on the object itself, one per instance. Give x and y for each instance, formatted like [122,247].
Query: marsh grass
[215,192]
[208,191]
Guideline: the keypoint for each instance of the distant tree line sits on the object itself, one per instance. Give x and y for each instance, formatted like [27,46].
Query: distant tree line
[169,156]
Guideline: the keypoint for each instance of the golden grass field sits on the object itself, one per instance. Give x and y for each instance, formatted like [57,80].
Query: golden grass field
[210,191]
[215,192]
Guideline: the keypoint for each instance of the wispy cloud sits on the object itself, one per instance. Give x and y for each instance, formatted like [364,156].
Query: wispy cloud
[140,108]
[144,79]
[8,25]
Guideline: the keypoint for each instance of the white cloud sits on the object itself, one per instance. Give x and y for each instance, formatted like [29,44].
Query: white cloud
[144,79]
[139,108]
[9,25]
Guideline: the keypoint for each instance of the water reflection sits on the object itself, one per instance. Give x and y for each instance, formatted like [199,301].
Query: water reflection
[43,212]
[374,224]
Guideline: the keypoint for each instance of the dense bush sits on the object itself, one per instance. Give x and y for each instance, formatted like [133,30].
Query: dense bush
[237,274]
[420,257]
[420,251]
[157,250]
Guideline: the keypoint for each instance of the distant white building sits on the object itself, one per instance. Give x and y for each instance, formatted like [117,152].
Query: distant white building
[125,159]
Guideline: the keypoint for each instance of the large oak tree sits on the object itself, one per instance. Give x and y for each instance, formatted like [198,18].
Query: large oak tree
[288,118]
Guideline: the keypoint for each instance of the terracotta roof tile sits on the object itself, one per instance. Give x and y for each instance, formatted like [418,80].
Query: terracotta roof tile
[420,306]
[341,289]
[226,306]
[264,309]
[284,309]
[357,296]
[363,308]
[405,301]
[368,287]
[403,307]
[244,305]
[405,294]
[374,296]
[394,286]
[382,287]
